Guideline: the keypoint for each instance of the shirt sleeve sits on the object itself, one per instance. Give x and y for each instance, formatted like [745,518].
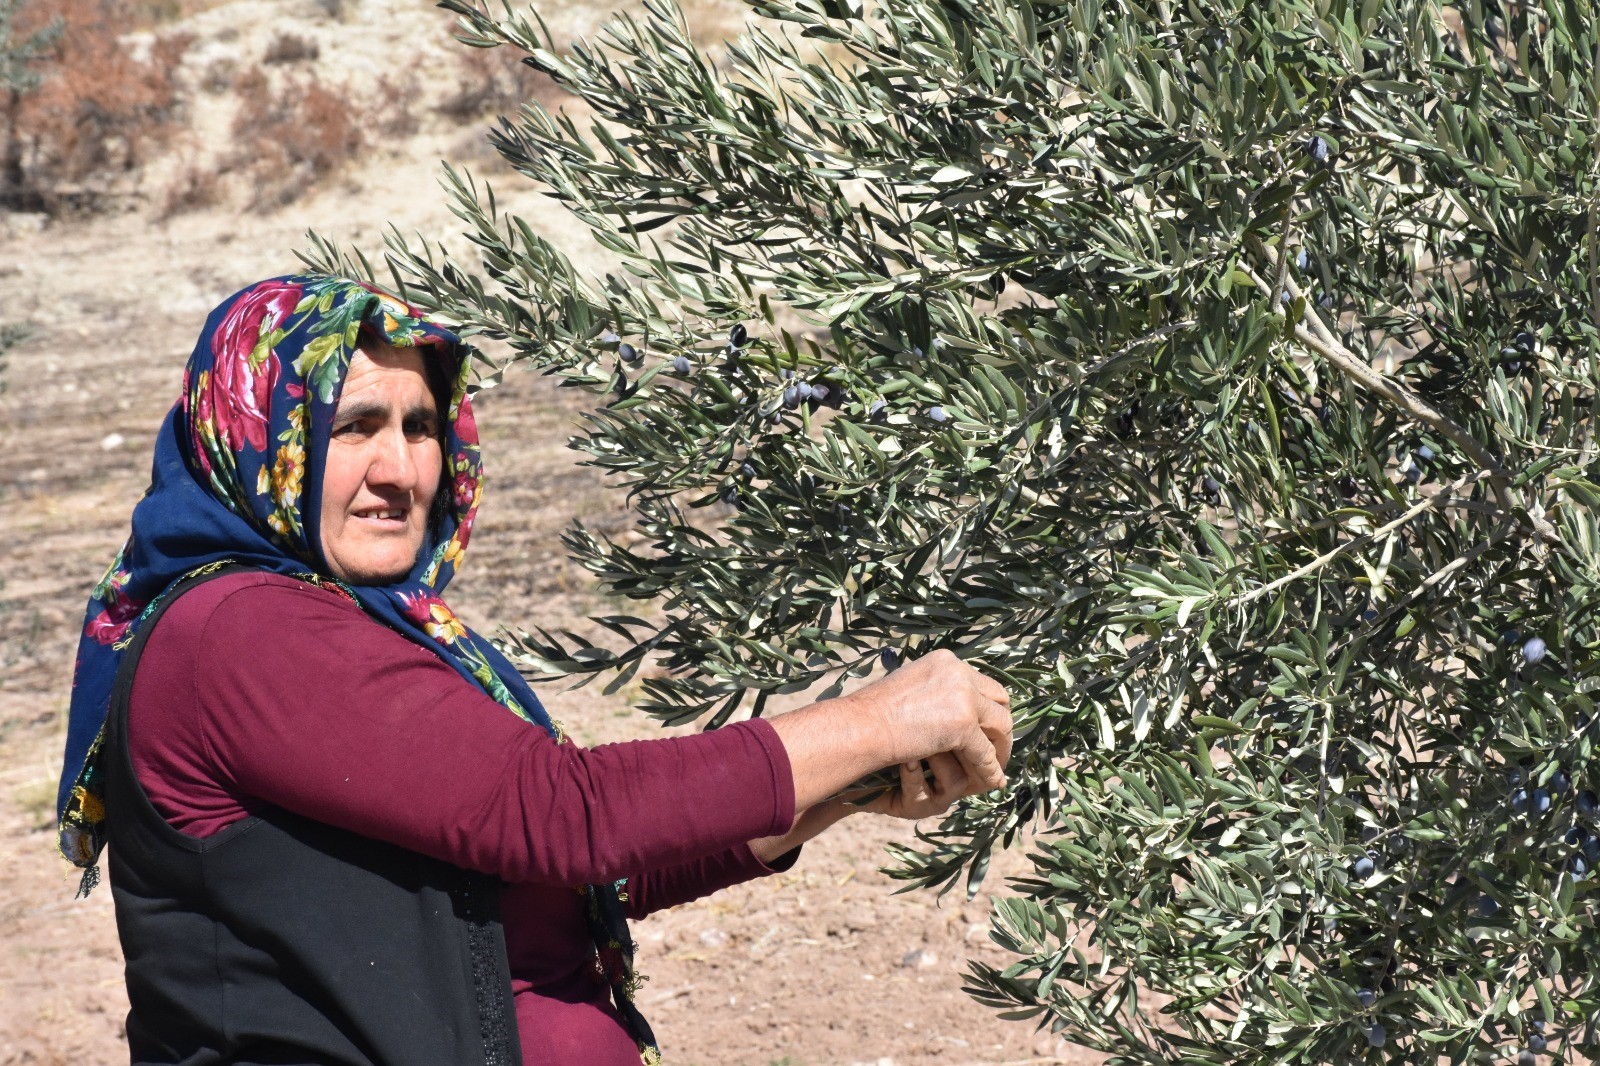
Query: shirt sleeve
[308,704]
[686,881]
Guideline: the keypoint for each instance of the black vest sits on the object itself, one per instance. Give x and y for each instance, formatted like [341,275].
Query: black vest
[284,941]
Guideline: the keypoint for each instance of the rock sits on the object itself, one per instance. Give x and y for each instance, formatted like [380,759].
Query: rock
[920,959]
[111,442]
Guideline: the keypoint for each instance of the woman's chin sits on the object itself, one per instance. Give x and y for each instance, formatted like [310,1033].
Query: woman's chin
[384,565]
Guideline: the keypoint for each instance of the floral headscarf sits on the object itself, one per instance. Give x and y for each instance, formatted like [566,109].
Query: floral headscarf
[237,478]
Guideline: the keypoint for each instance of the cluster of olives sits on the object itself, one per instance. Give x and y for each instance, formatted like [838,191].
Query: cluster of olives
[1376,1035]
[1530,799]
[1538,1044]
[1518,353]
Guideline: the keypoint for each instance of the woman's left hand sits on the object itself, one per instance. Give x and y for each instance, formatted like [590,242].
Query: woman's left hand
[917,797]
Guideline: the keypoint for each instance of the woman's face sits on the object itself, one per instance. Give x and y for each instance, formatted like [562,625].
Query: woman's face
[383,467]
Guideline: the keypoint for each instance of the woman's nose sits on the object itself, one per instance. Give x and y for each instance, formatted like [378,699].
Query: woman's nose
[392,462]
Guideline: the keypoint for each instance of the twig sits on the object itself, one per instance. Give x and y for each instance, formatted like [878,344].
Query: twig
[1437,500]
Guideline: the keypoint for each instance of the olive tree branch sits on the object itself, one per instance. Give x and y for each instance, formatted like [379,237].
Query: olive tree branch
[1322,341]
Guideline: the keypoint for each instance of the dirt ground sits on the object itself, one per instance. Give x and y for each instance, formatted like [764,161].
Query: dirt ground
[820,965]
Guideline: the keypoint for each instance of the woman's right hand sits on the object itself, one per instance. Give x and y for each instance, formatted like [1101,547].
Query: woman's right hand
[938,704]
[928,706]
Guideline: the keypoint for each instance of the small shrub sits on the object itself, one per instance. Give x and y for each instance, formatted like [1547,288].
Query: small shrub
[193,186]
[217,77]
[334,9]
[11,334]
[291,134]
[98,112]
[494,81]
[148,13]
[290,137]
[289,48]
[390,109]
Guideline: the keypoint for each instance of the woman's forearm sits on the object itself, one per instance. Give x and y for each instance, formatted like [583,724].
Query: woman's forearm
[929,706]
[812,822]
[831,745]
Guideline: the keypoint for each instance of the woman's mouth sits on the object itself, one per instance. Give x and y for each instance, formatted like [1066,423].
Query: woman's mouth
[383,516]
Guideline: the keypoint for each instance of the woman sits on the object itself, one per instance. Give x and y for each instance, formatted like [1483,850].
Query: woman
[342,827]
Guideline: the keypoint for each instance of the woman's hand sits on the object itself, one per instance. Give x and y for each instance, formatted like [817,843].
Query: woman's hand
[917,796]
[939,704]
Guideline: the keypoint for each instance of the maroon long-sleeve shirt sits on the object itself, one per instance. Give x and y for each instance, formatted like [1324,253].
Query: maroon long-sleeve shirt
[259,690]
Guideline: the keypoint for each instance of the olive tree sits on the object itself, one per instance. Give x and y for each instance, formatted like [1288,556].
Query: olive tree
[1220,375]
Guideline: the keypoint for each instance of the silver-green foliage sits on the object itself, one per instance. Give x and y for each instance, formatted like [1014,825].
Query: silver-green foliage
[1219,375]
